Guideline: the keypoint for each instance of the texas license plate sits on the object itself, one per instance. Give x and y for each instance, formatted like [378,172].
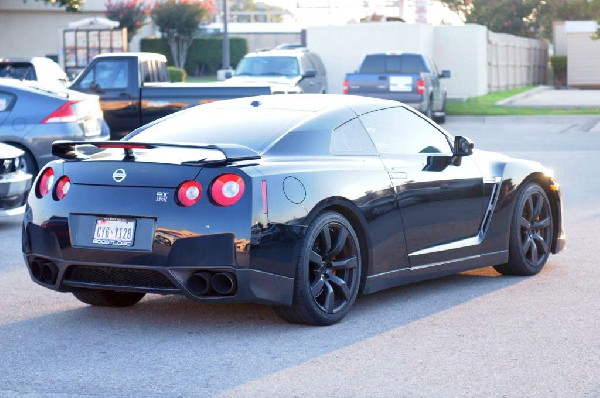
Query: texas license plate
[114,232]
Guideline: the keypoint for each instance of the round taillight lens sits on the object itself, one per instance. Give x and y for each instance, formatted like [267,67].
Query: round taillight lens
[227,189]
[62,187]
[188,193]
[45,182]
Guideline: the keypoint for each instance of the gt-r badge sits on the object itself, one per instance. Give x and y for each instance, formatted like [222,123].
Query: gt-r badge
[119,175]
[161,196]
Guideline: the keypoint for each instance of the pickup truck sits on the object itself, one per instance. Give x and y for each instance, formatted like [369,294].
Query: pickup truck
[134,89]
[410,78]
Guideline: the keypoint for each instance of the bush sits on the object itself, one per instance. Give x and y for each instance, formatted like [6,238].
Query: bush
[205,54]
[176,75]
[559,67]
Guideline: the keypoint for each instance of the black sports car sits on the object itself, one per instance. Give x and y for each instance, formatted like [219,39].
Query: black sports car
[295,202]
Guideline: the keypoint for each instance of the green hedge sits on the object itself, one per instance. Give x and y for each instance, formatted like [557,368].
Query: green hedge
[176,75]
[559,67]
[205,54]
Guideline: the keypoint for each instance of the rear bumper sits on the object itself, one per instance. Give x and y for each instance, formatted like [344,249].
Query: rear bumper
[252,286]
[13,193]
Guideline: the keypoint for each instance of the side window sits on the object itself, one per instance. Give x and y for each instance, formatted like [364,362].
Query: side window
[318,63]
[307,64]
[107,74]
[145,72]
[400,131]
[7,101]
[351,139]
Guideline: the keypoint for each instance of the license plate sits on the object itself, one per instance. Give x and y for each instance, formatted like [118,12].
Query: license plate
[91,127]
[114,232]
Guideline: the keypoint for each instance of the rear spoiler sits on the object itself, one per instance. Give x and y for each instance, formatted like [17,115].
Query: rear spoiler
[232,152]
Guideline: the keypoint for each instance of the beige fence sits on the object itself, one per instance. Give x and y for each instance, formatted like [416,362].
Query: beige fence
[515,61]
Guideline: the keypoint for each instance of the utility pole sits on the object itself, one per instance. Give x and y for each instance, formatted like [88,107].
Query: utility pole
[226,58]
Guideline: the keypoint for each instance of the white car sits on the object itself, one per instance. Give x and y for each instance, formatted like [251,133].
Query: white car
[15,183]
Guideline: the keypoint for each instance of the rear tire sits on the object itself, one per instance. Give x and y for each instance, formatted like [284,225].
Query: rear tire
[530,233]
[327,274]
[107,298]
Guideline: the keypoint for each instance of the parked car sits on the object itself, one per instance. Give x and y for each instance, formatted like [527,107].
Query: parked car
[15,183]
[134,89]
[411,78]
[40,69]
[293,71]
[33,116]
[299,202]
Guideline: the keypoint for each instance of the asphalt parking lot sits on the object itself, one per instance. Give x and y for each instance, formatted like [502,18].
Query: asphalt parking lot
[475,334]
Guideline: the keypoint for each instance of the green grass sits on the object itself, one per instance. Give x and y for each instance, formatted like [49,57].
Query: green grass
[486,105]
[195,79]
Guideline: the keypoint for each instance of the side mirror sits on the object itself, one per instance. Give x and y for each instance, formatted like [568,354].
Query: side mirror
[310,73]
[445,74]
[462,147]
[95,87]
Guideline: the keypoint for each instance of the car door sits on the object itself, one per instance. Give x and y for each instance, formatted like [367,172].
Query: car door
[438,95]
[440,203]
[309,85]
[113,79]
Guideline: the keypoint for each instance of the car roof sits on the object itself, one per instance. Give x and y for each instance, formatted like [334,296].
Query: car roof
[317,103]
[297,52]
[141,55]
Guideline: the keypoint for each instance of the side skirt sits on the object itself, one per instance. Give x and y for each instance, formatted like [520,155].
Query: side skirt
[405,276]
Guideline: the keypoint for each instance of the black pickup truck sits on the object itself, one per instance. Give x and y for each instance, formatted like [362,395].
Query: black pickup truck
[134,89]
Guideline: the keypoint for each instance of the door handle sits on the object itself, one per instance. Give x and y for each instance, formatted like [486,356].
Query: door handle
[382,78]
[123,95]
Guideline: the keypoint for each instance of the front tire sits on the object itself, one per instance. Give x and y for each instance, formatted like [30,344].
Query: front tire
[107,298]
[327,274]
[530,233]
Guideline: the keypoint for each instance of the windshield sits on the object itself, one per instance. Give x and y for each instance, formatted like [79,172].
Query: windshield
[268,66]
[21,71]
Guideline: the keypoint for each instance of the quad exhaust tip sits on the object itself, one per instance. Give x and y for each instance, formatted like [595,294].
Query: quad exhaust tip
[206,283]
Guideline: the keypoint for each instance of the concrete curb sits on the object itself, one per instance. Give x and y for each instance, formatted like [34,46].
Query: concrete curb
[508,101]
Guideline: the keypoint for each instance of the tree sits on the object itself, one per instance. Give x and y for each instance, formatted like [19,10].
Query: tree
[531,18]
[178,20]
[130,14]
[71,5]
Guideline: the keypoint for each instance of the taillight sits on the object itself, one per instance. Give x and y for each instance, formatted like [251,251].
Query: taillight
[62,187]
[188,193]
[45,182]
[227,189]
[420,86]
[64,114]
[346,87]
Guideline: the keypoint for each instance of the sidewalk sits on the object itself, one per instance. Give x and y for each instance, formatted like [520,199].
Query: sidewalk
[548,97]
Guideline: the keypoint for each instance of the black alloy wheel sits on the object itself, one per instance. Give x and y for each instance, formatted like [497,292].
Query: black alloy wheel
[531,233]
[328,272]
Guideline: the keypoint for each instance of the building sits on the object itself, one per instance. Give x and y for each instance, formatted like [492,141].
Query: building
[576,40]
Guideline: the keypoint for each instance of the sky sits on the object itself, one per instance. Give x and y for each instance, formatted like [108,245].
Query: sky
[337,12]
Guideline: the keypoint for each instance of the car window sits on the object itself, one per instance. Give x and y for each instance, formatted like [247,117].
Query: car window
[18,70]
[107,74]
[7,101]
[352,139]
[318,63]
[254,128]
[268,66]
[400,131]
[307,64]
[401,63]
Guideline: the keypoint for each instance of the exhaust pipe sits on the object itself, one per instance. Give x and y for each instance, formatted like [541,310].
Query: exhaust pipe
[36,269]
[49,273]
[224,283]
[199,283]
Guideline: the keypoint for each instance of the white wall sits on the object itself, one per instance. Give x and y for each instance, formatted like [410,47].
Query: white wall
[342,48]
[480,61]
[463,50]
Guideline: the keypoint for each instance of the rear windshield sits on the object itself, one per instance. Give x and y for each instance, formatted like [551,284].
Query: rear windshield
[402,63]
[204,124]
[17,70]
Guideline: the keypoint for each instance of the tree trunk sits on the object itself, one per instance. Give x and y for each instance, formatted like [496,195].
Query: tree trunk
[179,49]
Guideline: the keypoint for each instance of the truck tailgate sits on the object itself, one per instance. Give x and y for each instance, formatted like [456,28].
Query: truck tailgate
[399,87]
